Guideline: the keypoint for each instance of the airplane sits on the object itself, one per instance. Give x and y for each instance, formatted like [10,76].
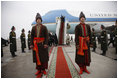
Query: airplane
[95,20]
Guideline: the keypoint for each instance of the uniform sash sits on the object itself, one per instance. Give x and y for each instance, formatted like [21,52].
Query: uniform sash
[36,41]
[82,45]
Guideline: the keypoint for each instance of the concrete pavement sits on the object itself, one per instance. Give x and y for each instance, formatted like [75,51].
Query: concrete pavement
[101,66]
[22,66]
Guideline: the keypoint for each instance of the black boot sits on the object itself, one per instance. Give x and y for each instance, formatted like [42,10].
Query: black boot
[23,50]
[93,50]
[104,53]
[12,53]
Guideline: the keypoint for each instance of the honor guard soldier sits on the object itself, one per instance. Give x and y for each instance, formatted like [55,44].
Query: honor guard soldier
[104,40]
[93,40]
[23,42]
[29,39]
[12,38]
[83,41]
[39,43]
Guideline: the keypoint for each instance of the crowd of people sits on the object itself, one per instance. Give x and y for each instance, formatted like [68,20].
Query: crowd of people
[52,39]
[103,39]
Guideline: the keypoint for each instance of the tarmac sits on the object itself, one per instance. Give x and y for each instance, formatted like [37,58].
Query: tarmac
[22,66]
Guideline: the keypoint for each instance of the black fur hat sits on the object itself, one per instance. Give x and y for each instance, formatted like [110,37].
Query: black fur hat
[23,30]
[29,31]
[81,15]
[38,16]
[93,29]
[12,28]
[102,26]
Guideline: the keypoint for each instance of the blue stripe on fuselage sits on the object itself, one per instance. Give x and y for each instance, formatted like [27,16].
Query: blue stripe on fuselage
[101,19]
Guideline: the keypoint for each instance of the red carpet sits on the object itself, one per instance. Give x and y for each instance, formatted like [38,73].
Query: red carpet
[62,70]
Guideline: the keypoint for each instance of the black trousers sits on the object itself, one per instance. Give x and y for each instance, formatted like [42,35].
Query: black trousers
[13,54]
[94,48]
[23,49]
[112,43]
[104,52]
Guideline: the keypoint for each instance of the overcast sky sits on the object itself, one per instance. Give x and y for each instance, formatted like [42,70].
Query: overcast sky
[22,13]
